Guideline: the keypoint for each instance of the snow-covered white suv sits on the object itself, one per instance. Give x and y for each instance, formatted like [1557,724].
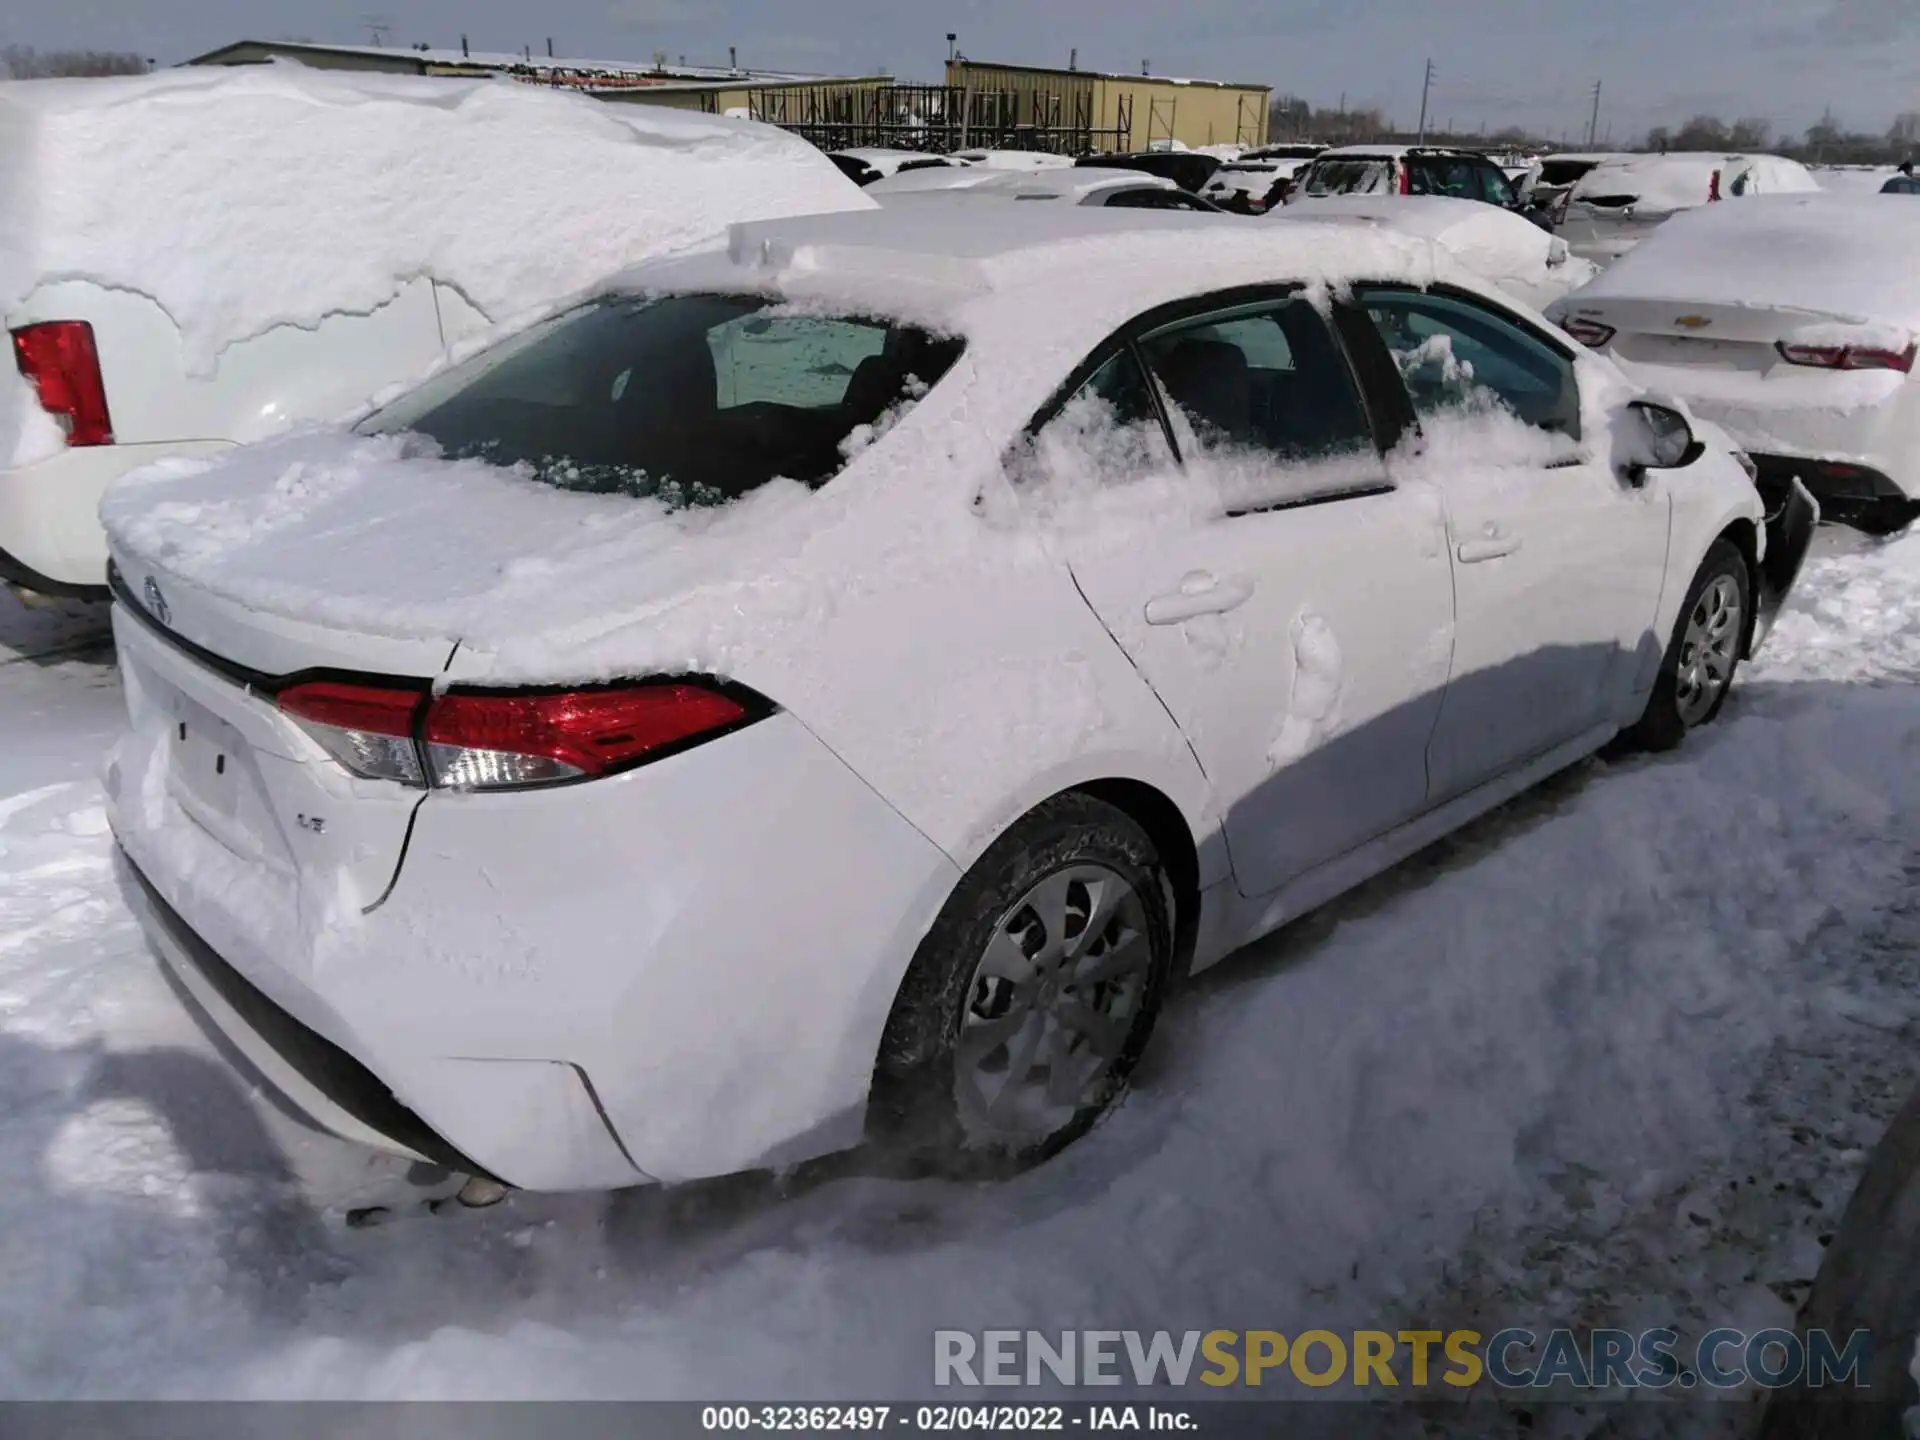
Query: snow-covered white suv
[213,255]
[1620,201]
[830,687]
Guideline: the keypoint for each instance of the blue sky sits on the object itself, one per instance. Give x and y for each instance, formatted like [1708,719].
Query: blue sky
[1530,62]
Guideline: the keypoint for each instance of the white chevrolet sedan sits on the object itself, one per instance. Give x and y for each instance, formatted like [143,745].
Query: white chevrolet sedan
[829,687]
[1791,320]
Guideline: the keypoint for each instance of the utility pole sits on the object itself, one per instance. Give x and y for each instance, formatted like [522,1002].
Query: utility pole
[1426,84]
[1593,125]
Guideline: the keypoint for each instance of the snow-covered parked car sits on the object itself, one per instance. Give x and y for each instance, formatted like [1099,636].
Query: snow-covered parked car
[864,166]
[1617,204]
[1074,185]
[1552,176]
[829,686]
[1013,159]
[1405,170]
[1522,259]
[1791,320]
[211,255]
[1257,180]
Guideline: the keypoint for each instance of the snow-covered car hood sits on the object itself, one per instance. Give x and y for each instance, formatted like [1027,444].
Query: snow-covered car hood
[1512,252]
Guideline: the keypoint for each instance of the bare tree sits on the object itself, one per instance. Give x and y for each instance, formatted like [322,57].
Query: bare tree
[1703,132]
[1749,133]
[23,62]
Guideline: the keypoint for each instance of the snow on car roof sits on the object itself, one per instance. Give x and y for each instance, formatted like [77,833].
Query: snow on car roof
[242,198]
[1388,152]
[1681,179]
[932,263]
[882,152]
[1831,254]
[1069,184]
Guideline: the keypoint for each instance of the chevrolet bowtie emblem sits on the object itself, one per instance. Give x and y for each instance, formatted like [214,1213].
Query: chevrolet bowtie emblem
[1693,322]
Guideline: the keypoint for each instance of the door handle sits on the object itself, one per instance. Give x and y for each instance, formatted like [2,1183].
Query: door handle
[1490,545]
[1199,594]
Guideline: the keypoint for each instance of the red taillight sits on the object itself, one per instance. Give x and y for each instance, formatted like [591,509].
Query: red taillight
[1590,333]
[367,728]
[62,364]
[1847,357]
[1406,180]
[479,741]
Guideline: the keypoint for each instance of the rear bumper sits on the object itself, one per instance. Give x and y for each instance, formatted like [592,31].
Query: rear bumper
[1827,480]
[16,572]
[50,535]
[321,1080]
[679,971]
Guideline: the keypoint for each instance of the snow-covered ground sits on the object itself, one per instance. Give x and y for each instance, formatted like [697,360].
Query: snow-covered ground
[1614,1053]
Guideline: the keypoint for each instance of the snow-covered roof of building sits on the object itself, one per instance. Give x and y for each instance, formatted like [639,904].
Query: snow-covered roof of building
[502,60]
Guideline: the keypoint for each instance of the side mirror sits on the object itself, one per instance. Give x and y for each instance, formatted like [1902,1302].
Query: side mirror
[1655,437]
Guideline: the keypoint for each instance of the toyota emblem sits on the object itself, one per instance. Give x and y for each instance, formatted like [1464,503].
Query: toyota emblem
[156,602]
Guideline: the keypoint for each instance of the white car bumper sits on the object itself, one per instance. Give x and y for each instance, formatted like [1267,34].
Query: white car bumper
[676,972]
[1856,430]
[50,535]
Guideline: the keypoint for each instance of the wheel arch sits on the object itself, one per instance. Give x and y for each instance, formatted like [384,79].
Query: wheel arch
[1744,535]
[1154,812]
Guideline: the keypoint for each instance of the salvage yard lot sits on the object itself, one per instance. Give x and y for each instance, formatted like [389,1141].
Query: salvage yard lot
[1612,1055]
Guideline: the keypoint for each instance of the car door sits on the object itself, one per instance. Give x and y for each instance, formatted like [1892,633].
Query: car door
[1557,558]
[1247,549]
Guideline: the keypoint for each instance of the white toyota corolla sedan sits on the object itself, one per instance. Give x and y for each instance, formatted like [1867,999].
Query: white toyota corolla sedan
[827,688]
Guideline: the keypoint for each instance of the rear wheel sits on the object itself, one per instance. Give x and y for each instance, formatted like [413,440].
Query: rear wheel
[1030,1000]
[1696,673]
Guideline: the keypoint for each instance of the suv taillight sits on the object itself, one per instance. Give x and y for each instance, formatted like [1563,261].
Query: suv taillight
[498,740]
[60,361]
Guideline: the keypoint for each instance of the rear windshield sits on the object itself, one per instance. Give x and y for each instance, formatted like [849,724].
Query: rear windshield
[696,399]
[1564,172]
[1349,177]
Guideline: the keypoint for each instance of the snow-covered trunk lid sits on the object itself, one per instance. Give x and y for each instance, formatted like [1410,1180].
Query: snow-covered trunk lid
[1722,336]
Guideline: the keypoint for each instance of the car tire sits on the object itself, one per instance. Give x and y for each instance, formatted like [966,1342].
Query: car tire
[1696,673]
[1050,958]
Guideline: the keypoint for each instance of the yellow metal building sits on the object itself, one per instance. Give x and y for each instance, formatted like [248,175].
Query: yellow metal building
[1121,112]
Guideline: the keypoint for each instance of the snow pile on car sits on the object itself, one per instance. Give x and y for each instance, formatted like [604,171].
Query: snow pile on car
[1512,252]
[1848,256]
[243,199]
[381,537]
